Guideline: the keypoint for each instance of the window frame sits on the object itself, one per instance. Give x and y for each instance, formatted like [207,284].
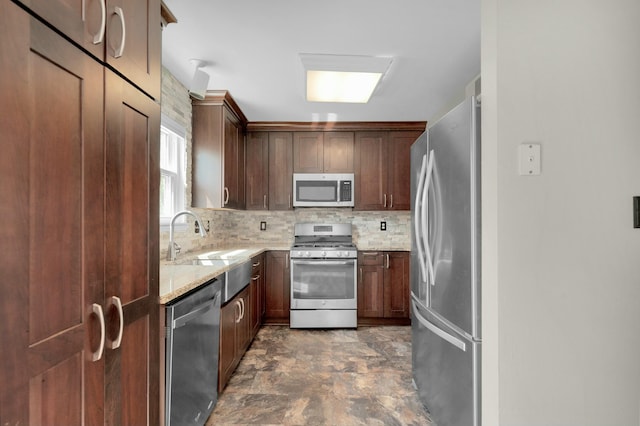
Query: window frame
[181,182]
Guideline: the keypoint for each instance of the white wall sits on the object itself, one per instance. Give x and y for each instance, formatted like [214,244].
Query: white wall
[561,261]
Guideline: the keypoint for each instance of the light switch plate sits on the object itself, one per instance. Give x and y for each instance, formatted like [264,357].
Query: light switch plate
[529,159]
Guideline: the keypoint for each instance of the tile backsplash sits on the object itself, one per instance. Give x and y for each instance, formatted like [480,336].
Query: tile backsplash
[242,228]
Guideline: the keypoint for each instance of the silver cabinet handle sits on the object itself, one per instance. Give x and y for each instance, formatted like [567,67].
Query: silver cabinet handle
[115,344]
[360,277]
[97,311]
[120,50]
[254,265]
[391,203]
[387,260]
[99,37]
[370,253]
[385,200]
[286,261]
[239,318]
[289,200]
[226,196]
[241,309]
[256,278]
[264,201]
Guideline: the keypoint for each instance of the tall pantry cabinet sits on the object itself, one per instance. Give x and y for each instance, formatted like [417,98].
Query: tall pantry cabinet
[79,203]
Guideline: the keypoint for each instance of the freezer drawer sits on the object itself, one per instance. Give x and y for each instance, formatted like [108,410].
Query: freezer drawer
[445,371]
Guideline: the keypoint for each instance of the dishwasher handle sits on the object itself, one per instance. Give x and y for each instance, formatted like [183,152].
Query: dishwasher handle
[196,312]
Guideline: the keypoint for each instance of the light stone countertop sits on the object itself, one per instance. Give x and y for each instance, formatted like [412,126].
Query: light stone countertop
[178,278]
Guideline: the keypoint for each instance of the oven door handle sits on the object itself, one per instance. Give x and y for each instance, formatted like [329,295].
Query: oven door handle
[323,262]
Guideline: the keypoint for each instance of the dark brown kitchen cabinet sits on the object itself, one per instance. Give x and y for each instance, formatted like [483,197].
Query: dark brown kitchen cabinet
[323,152]
[132,253]
[383,287]
[280,170]
[257,171]
[80,235]
[382,170]
[124,35]
[218,152]
[278,288]
[235,334]
[257,293]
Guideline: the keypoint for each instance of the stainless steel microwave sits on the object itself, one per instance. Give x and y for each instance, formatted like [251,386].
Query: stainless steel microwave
[323,189]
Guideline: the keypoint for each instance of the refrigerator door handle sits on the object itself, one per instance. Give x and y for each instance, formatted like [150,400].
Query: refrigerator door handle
[417,219]
[437,330]
[425,218]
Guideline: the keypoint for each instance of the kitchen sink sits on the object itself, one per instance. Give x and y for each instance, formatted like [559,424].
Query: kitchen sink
[225,254]
[204,262]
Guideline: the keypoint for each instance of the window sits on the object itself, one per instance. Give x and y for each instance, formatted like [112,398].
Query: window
[172,169]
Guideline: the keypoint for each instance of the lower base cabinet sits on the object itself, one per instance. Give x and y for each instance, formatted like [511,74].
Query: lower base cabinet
[278,288]
[235,334]
[384,288]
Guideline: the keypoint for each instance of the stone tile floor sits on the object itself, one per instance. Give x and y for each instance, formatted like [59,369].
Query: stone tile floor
[323,377]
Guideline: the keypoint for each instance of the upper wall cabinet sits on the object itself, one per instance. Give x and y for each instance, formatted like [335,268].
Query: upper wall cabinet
[124,35]
[382,170]
[218,152]
[257,171]
[323,152]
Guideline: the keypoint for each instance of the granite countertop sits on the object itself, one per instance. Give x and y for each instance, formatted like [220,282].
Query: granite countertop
[179,277]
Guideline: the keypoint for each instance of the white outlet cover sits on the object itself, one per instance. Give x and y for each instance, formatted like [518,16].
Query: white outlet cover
[529,159]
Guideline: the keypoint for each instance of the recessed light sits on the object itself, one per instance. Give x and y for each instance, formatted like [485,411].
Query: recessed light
[342,78]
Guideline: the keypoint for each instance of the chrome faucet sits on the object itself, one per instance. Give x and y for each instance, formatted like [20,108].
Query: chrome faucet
[174,248]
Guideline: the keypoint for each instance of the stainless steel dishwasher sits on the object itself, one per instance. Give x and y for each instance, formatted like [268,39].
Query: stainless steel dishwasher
[193,339]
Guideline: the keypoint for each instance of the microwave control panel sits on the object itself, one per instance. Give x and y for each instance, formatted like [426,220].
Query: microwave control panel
[345,190]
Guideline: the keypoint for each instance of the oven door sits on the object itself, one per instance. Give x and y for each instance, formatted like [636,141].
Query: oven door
[323,284]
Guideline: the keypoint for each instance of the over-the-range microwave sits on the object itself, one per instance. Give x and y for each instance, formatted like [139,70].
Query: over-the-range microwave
[323,190]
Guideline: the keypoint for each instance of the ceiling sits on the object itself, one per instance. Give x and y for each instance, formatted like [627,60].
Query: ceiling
[252,50]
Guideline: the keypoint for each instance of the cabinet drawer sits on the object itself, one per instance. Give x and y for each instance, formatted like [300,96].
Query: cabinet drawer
[370,258]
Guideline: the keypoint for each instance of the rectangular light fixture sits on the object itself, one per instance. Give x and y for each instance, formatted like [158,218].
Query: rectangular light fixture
[342,78]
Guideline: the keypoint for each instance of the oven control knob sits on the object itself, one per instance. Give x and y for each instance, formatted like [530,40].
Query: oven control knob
[323,254]
[345,254]
[307,254]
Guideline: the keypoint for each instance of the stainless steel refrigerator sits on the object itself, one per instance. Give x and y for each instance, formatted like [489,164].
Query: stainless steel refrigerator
[445,266]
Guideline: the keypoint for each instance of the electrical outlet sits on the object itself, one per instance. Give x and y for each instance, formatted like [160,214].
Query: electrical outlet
[197,227]
[636,212]
[383,226]
[208,227]
[263,226]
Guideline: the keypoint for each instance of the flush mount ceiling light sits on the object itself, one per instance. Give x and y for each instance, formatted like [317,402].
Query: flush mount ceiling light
[200,80]
[342,78]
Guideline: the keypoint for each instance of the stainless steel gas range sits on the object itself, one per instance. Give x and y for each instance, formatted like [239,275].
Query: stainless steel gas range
[324,264]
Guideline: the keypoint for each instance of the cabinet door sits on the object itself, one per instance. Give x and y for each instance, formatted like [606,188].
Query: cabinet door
[126,35]
[132,254]
[338,152]
[400,169]
[257,293]
[80,21]
[397,288]
[308,152]
[280,170]
[229,315]
[243,329]
[207,136]
[51,187]
[278,288]
[133,42]
[257,171]
[370,285]
[233,153]
[370,171]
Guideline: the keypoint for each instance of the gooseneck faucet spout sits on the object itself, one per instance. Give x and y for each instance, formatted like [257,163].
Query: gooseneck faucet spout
[174,248]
